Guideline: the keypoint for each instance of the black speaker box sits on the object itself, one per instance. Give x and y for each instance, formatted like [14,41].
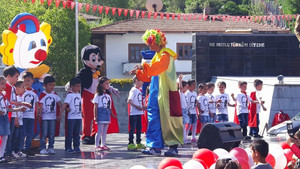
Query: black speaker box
[220,135]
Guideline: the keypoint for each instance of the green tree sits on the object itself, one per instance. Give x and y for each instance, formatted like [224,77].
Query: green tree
[61,56]
[197,6]
[290,6]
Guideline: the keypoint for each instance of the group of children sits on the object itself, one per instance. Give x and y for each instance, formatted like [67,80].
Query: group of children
[208,107]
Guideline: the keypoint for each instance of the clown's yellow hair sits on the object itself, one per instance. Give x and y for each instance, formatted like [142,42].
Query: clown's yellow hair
[155,36]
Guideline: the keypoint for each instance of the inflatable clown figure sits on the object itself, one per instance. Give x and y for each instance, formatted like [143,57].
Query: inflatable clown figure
[26,44]
[164,108]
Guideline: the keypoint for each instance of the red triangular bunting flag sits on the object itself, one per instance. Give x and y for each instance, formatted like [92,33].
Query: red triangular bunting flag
[162,15]
[238,18]
[278,17]
[265,17]
[273,18]
[94,8]
[49,2]
[137,13]
[42,2]
[57,2]
[287,17]
[243,18]
[65,4]
[205,17]
[149,14]
[290,16]
[72,5]
[113,10]
[184,16]
[247,18]
[282,16]
[87,7]
[194,17]
[200,17]
[233,18]
[173,16]
[143,14]
[190,17]
[125,12]
[251,18]
[295,16]
[179,16]
[120,11]
[80,6]
[107,8]
[224,18]
[260,17]
[256,18]
[100,9]
[228,18]
[33,1]
[24,0]
[155,15]
[214,17]
[131,12]
[168,16]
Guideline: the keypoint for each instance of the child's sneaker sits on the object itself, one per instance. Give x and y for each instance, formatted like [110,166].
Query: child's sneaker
[105,148]
[44,151]
[172,152]
[77,150]
[22,155]
[3,160]
[16,155]
[131,147]
[69,151]
[140,146]
[98,148]
[51,151]
[151,151]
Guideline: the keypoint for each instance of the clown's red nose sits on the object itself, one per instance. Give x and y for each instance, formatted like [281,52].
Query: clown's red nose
[40,55]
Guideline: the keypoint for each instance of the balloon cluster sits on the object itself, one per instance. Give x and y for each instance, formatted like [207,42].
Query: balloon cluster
[279,156]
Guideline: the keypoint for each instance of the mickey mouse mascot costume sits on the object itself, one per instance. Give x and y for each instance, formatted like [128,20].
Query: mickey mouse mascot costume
[89,75]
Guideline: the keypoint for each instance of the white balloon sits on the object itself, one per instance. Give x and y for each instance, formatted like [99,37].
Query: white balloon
[276,150]
[280,162]
[138,167]
[213,166]
[250,160]
[228,156]
[192,164]
[220,152]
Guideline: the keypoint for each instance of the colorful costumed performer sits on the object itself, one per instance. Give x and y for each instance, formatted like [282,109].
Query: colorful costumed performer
[89,75]
[164,109]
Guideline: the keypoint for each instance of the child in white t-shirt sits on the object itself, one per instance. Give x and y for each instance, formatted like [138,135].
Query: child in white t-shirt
[73,100]
[202,105]
[211,101]
[102,109]
[135,100]
[48,102]
[223,101]
[183,87]
[191,99]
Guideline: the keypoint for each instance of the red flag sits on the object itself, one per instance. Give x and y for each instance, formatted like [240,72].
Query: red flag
[65,4]
[190,17]
[24,0]
[295,16]
[72,5]
[107,9]
[87,7]
[33,1]
[179,16]
[278,17]
[282,16]
[113,10]
[256,18]
[143,14]
[243,18]
[205,17]
[149,14]
[100,9]
[49,2]
[184,16]
[131,12]
[273,18]
[290,16]
[238,18]
[200,17]
[228,18]
[137,13]
[168,16]
[224,18]
[251,18]
[155,15]
[194,17]
[265,17]
[173,16]
[125,12]
[80,6]
[287,17]
[162,15]
[259,19]
[120,11]
[214,17]
[233,18]
[94,8]
[57,2]
[247,18]
[42,2]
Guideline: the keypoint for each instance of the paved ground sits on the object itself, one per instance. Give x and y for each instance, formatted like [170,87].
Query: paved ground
[117,158]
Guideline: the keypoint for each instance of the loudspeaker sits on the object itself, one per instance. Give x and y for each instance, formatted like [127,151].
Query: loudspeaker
[220,135]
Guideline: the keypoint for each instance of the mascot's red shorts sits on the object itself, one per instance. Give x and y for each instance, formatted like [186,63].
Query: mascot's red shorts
[88,115]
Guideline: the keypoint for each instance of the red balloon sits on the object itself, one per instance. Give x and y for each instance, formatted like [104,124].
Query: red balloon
[284,145]
[202,162]
[206,155]
[172,167]
[243,163]
[288,154]
[239,153]
[167,162]
[271,160]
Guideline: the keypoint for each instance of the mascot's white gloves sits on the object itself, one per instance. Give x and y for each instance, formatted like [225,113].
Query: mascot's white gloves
[114,91]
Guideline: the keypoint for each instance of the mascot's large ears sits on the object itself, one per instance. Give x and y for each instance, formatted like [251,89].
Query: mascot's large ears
[9,39]
[46,28]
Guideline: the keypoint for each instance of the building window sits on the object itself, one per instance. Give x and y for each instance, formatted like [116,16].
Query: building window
[184,51]
[134,52]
